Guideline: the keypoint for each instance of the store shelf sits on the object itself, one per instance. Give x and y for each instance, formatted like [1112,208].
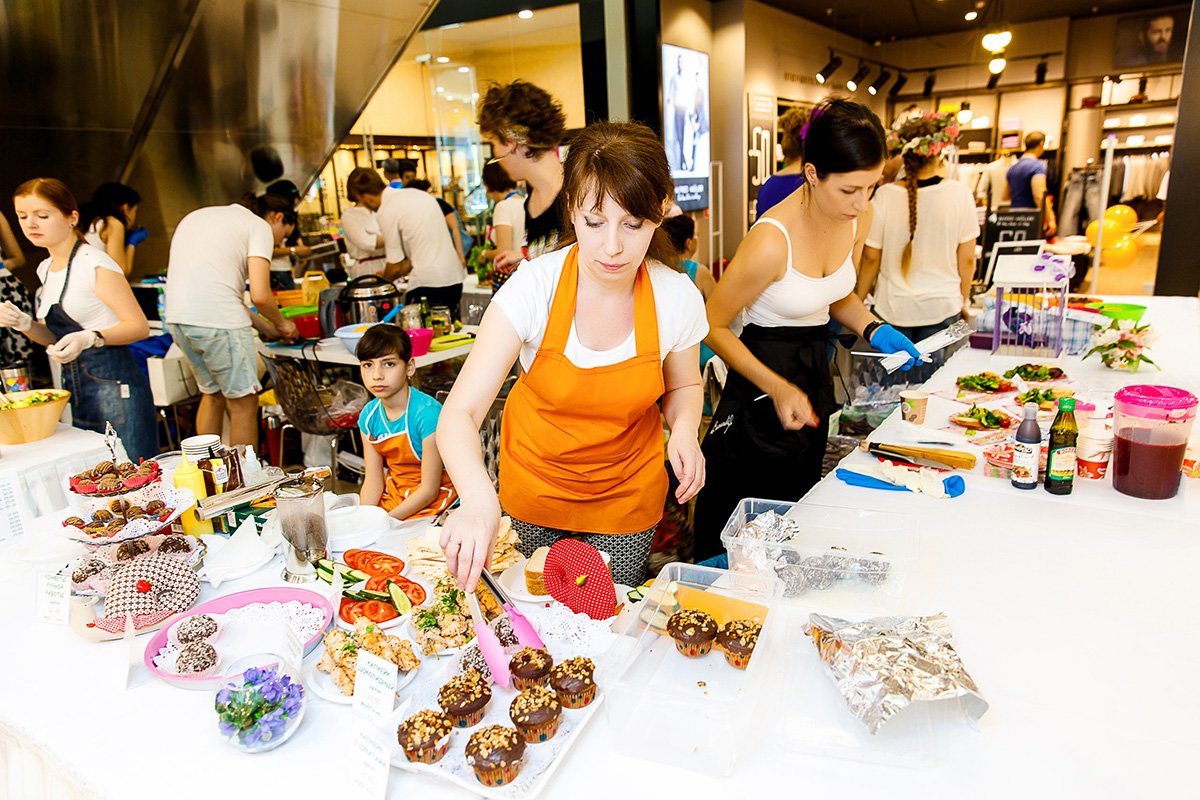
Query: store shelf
[1135,106]
[1143,147]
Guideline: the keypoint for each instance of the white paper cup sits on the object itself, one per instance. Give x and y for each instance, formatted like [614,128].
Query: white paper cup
[913,405]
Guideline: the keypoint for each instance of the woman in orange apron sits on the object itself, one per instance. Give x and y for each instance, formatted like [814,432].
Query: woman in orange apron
[604,330]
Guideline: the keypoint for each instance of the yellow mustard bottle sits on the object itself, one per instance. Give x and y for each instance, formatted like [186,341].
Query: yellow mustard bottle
[188,476]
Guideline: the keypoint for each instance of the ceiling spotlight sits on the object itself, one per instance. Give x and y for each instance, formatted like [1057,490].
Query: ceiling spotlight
[928,92]
[879,82]
[971,16]
[834,62]
[525,13]
[1040,73]
[992,81]
[443,59]
[863,71]
[898,85]
[997,65]
[464,69]
[964,113]
[997,40]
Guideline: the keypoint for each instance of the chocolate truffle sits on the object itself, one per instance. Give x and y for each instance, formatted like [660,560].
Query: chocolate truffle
[74,522]
[125,469]
[175,543]
[154,506]
[118,506]
[128,550]
[196,657]
[87,568]
[104,468]
[103,515]
[196,628]
[471,659]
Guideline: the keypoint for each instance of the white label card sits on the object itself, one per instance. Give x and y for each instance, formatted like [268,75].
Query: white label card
[53,602]
[369,762]
[12,522]
[374,687]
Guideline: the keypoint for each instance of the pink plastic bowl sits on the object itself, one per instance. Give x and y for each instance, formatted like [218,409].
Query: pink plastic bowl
[421,339]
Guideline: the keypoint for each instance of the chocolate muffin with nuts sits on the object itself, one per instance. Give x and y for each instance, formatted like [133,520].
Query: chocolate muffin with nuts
[530,667]
[535,712]
[737,639]
[464,698]
[425,736]
[495,753]
[573,682]
[693,631]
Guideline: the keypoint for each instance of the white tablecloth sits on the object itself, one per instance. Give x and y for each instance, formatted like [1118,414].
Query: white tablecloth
[332,351]
[1074,615]
[43,467]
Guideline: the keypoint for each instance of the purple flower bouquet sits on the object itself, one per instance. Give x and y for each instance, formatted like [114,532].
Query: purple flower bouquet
[259,703]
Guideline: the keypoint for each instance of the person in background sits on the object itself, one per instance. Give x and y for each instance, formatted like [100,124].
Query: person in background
[213,252]
[391,173]
[793,271]
[403,472]
[681,230]
[86,317]
[1025,182]
[920,251]
[1162,195]
[364,239]
[15,350]
[415,240]
[791,177]
[525,125]
[449,214]
[109,221]
[603,330]
[292,252]
[408,171]
[508,215]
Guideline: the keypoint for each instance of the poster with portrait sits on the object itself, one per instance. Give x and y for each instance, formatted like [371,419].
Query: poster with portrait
[686,123]
[1151,38]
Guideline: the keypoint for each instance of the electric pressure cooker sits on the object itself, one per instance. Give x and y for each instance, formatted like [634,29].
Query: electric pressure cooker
[367,299]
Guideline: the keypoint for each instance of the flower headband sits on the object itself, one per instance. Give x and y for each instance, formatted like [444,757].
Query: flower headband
[927,135]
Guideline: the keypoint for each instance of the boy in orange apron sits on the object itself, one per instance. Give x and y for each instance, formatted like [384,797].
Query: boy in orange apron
[404,473]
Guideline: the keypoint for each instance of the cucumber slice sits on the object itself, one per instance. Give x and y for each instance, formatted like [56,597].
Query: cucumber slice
[352,575]
[399,598]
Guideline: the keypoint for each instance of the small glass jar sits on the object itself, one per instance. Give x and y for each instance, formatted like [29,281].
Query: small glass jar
[259,702]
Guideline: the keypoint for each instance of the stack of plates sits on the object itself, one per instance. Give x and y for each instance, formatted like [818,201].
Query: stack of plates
[196,447]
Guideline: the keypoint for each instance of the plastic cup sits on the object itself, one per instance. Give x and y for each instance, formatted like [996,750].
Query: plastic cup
[913,405]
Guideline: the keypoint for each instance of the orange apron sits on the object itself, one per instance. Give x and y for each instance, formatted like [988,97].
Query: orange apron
[581,449]
[404,474]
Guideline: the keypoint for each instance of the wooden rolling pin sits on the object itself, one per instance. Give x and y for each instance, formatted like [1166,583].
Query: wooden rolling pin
[951,458]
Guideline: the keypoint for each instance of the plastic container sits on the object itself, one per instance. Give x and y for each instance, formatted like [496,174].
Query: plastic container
[289,297]
[31,423]
[308,326]
[1119,310]
[421,339]
[1094,450]
[693,713]
[291,312]
[869,575]
[1152,425]
[350,334]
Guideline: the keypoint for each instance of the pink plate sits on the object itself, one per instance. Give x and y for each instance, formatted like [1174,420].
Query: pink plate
[277,594]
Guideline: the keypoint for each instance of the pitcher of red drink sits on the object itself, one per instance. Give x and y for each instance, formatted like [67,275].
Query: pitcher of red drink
[1152,425]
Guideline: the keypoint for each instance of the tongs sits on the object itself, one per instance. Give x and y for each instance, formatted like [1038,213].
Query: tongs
[521,628]
[489,644]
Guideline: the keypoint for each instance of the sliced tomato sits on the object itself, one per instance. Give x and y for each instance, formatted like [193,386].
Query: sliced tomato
[351,610]
[354,558]
[384,565]
[414,590]
[378,611]
[378,584]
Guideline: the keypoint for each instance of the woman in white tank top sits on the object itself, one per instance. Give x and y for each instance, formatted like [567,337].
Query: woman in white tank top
[109,222]
[793,271]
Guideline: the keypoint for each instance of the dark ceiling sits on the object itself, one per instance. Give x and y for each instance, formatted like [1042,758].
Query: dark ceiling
[885,20]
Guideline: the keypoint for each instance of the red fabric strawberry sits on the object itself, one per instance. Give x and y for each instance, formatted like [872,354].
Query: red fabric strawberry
[577,577]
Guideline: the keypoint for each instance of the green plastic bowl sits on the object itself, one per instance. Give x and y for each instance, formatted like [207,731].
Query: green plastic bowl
[1120,310]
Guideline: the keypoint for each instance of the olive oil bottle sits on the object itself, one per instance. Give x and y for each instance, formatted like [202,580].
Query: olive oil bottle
[1060,465]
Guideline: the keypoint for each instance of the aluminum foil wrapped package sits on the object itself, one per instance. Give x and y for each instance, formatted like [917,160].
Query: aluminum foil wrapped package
[884,664]
[763,531]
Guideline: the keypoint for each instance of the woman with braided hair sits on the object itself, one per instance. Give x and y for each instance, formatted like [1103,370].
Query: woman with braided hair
[920,252]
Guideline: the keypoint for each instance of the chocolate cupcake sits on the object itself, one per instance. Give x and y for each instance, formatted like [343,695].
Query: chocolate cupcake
[535,712]
[130,550]
[693,631]
[196,628]
[464,698]
[495,754]
[530,667]
[175,543]
[102,515]
[572,681]
[425,736]
[737,639]
[196,658]
[74,522]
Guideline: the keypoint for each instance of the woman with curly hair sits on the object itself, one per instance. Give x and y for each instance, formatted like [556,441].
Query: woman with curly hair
[791,177]
[920,252]
[525,125]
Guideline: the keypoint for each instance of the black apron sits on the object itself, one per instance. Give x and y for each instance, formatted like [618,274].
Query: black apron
[106,385]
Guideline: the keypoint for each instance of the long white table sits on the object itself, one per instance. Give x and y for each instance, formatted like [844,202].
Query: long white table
[332,351]
[42,468]
[1073,614]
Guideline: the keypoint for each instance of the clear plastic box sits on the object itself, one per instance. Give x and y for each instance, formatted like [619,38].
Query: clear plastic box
[866,576]
[694,713]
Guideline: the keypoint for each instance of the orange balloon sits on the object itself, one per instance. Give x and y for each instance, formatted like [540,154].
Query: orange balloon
[1112,232]
[1121,254]
[1123,215]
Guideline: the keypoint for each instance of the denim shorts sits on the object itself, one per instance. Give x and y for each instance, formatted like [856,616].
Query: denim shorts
[224,361]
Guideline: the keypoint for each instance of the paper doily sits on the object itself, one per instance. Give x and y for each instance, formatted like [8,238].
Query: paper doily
[304,619]
[174,498]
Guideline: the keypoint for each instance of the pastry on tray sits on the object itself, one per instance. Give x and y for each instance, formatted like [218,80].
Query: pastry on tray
[574,683]
[535,712]
[693,631]
[495,753]
[737,639]
[425,736]
[464,698]
[530,667]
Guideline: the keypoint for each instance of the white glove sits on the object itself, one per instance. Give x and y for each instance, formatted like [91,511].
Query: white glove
[68,348]
[13,317]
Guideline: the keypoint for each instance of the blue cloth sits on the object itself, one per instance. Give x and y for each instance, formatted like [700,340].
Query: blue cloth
[156,346]
[423,412]
[397,184]
[775,189]
[1020,177]
[716,562]
[706,353]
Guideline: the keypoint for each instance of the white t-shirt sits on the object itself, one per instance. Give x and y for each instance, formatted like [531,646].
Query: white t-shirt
[414,228]
[361,229]
[92,236]
[526,298]
[208,266]
[1162,187]
[511,212]
[932,289]
[81,302]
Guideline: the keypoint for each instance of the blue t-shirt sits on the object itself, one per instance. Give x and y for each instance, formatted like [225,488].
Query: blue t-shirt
[1020,176]
[423,412]
[775,189]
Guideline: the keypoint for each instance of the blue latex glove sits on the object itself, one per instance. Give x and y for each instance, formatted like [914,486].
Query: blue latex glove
[136,236]
[954,484]
[889,340]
